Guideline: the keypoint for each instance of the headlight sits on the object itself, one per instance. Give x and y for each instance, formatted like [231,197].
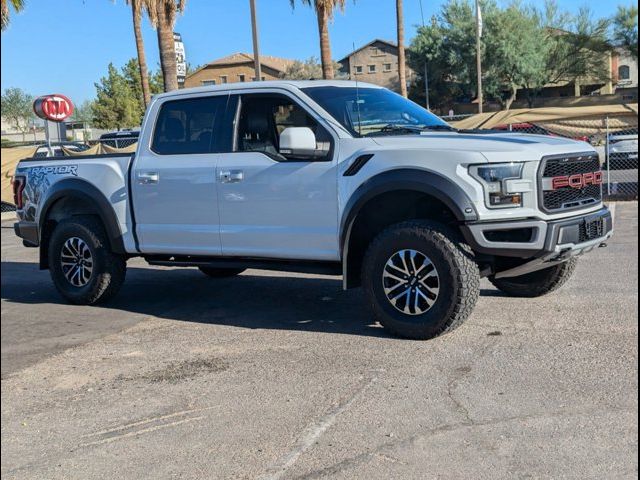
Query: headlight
[493,178]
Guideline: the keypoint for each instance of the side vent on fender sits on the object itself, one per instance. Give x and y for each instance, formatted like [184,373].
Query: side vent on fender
[357,165]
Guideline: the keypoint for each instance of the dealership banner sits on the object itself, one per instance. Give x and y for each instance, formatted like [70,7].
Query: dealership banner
[181,59]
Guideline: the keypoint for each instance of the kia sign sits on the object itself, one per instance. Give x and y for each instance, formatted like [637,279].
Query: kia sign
[55,107]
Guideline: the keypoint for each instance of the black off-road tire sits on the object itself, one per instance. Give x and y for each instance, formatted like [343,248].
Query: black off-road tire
[459,279]
[108,271]
[221,272]
[536,284]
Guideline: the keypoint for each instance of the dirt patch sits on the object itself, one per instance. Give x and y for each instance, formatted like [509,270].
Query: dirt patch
[178,371]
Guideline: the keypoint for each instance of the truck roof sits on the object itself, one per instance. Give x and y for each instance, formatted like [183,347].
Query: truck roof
[286,84]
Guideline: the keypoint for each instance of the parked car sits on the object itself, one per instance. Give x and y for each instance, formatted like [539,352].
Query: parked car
[535,130]
[327,177]
[120,139]
[621,162]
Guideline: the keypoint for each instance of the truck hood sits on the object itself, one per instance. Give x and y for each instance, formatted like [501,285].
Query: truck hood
[495,147]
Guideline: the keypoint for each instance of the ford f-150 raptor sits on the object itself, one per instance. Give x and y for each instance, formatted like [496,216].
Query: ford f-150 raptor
[324,177]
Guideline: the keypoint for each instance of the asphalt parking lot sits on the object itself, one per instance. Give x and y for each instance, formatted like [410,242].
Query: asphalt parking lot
[269,376]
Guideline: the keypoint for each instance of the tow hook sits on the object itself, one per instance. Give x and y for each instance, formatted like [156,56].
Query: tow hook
[563,255]
[603,245]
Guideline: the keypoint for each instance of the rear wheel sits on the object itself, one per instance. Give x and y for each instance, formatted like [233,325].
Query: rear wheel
[81,264]
[536,284]
[221,272]
[420,279]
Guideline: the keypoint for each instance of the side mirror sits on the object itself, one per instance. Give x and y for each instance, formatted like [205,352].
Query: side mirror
[300,142]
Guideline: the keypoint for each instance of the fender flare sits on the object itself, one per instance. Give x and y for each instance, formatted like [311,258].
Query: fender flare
[424,181]
[83,190]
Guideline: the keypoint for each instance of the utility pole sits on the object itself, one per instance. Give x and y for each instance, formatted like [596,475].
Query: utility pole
[402,76]
[426,84]
[256,48]
[478,54]
[426,71]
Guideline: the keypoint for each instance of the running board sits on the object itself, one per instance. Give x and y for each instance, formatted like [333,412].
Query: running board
[313,267]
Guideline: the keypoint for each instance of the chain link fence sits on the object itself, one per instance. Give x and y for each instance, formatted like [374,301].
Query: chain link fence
[621,163]
[7,207]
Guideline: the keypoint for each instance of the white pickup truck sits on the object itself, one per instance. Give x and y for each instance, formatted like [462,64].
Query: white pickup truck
[323,177]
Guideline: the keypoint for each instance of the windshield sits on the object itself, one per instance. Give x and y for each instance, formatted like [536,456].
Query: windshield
[374,111]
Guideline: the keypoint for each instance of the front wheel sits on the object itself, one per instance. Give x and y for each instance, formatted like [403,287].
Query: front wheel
[536,284]
[82,266]
[420,280]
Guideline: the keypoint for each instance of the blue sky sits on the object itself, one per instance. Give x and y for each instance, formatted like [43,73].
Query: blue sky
[64,46]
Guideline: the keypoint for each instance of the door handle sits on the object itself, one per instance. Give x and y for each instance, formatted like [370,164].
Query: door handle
[148,178]
[231,176]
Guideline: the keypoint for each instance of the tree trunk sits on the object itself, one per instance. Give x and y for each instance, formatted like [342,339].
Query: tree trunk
[512,97]
[529,96]
[166,18]
[325,44]
[402,75]
[142,59]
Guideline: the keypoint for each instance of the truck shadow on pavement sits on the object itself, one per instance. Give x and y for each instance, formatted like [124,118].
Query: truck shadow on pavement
[252,300]
[255,300]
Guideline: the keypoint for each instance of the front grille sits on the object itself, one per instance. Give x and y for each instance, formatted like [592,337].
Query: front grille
[571,166]
[568,198]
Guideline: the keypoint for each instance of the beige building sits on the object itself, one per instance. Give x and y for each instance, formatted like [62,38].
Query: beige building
[625,75]
[376,62]
[621,78]
[238,67]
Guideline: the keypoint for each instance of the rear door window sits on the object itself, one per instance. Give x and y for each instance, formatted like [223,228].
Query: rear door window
[190,126]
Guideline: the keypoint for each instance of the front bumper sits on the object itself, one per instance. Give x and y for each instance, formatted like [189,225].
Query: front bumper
[544,244]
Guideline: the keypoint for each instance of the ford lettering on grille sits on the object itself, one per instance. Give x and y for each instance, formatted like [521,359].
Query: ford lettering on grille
[570,182]
[579,180]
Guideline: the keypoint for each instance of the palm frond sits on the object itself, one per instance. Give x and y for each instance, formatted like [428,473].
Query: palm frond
[18,5]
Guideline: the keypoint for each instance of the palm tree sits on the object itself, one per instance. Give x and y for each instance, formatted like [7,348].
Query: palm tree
[137,6]
[402,75]
[165,14]
[17,5]
[324,13]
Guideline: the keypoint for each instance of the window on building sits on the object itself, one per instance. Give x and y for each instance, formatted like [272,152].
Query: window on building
[205,83]
[224,79]
[386,67]
[624,72]
[372,69]
[189,126]
[253,79]
[358,69]
[242,78]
